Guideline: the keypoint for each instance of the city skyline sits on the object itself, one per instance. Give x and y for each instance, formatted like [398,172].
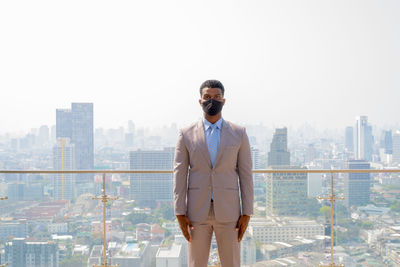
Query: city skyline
[36,129]
[281,62]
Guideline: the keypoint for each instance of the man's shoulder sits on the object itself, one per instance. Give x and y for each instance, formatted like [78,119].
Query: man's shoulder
[235,127]
[190,128]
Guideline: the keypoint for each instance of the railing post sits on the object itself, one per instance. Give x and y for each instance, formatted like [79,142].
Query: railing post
[4,198]
[332,198]
[104,198]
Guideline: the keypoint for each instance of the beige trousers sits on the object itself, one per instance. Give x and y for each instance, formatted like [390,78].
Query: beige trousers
[227,241]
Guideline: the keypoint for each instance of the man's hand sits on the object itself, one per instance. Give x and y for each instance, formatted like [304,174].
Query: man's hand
[184,223]
[241,226]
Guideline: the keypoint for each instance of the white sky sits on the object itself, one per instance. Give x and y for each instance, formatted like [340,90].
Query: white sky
[282,62]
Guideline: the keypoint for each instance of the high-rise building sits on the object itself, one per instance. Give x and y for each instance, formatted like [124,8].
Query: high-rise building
[349,139]
[64,123]
[396,147]
[82,135]
[15,191]
[53,133]
[258,178]
[279,154]
[64,159]
[315,181]
[149,188]
[363,139]
[248,250]
[44,135]
[21,191]
[20,253]
[131,127]
[286,193]
[129,138]
[77,125]
[357,185]
[13,229]
[387,142]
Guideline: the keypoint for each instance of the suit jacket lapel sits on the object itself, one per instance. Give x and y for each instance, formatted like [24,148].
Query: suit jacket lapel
[202,143]
[223,141]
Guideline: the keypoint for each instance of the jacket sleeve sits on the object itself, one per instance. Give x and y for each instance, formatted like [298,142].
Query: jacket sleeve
[244,164]
[181,165]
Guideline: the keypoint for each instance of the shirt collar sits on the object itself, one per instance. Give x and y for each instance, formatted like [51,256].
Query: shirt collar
[208,124]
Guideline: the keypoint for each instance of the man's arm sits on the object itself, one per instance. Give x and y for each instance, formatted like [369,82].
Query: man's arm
[181,165]
[245,165]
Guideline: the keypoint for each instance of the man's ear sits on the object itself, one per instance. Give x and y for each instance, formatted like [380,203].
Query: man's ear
[200,101]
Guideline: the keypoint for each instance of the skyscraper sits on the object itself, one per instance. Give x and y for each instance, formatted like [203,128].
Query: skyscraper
[363,139]
[149,188]
[286,193]
[279,154]
[44,135]
[64,159]
[387,142]
[77,125]
[82,135]
[357,185]
[349,139]
[64,123]
[258,178]
[396,147]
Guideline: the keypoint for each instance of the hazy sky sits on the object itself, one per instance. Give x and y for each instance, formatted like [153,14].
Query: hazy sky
[282,62]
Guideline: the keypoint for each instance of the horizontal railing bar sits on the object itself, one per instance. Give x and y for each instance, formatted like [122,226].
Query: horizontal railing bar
[171,171]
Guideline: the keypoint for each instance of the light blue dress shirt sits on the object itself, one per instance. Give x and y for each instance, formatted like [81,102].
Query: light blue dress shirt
[212,133]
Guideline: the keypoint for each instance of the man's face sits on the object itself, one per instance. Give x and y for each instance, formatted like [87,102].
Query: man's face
[214,93]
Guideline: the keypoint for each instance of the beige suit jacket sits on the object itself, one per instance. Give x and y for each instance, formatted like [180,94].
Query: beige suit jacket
[194,176]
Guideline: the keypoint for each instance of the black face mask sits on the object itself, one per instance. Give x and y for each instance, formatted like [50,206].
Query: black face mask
[212,107]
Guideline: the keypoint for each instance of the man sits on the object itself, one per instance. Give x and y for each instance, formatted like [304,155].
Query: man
[212,165]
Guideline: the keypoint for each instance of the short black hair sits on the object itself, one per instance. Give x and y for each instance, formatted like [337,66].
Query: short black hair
[212,84]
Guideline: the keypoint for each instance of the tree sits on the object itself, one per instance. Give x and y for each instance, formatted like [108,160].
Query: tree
[74,261]
[136,218]
[166,211]
[366,225]
[395,206]
[311,208]
[326,211]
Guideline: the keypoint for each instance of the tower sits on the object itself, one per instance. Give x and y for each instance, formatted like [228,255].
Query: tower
[77,125]
[349,139]
[286,193]
[396,147]
[279,154]
[357,185]
[149,188]
[64,159]
[363,139]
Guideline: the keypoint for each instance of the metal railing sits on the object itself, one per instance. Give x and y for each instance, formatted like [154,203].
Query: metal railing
[104,198]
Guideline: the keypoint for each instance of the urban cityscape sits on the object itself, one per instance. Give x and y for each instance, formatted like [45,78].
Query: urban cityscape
[55,220]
